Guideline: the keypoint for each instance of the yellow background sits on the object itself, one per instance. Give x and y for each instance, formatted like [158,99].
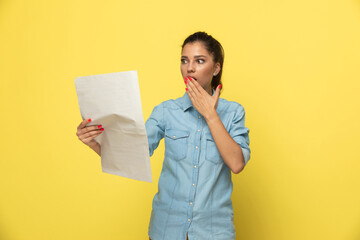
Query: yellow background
[293,65]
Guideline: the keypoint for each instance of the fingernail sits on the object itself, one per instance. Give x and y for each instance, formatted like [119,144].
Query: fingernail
[185,82]
[220,86]
[190,78]
[102,129]
[186,89]
[89,119]
[186,78]
[100,126]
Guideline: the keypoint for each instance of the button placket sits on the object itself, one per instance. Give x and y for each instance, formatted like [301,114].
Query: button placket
[195,160]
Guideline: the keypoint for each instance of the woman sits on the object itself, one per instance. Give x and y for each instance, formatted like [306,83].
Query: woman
[205,140]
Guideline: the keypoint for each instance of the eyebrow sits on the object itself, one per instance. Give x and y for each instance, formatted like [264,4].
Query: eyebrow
[197,56]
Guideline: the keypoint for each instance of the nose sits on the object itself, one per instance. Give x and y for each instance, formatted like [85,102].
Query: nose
[190,67]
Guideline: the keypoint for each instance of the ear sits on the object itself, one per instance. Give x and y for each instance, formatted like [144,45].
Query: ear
[217,69]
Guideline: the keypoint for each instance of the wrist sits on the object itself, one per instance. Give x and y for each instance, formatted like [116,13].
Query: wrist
[211,116]
[96,147]
[92,144]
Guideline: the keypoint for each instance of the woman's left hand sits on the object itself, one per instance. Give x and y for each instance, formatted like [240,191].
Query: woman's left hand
[204,103]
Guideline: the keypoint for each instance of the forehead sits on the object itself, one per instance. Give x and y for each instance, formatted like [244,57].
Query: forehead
[195,48]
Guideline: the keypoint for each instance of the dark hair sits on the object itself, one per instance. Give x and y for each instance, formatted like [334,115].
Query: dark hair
[214,48]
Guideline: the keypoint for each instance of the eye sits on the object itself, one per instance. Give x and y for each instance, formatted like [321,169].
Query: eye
[183,61]
[200,60]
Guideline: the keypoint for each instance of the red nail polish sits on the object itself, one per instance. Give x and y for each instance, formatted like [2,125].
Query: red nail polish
[102,129]
[89,119]
[186,89]
[190,78]
[185,82]
[100,126]
[186,78]
[220,86]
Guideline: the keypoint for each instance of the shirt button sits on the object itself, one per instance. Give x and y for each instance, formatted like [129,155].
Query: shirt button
[195,166]
[199,116]
[190,203]
[193,184]
[198,130]
[196,147]
[188,219]
[174,137]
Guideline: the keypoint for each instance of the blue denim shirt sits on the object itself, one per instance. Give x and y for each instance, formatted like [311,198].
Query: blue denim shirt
[195,186]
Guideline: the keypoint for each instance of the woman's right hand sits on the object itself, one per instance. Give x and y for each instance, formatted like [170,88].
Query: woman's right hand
[86,134]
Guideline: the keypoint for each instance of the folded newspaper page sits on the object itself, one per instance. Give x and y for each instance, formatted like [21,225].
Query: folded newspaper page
[113,100]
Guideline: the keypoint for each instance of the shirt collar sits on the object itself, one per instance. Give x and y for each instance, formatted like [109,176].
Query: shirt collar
[186,104]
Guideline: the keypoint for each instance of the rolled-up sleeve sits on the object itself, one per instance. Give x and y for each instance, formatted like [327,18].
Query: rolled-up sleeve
[155,128]
[239,132]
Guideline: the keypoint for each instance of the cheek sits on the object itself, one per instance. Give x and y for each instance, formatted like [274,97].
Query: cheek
[183,70]
[207,71]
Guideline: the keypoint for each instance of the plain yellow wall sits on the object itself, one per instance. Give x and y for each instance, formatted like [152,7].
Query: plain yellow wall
[293,65]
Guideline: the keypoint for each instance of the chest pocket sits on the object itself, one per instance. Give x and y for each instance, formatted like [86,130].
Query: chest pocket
[176,143]
[212,154]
